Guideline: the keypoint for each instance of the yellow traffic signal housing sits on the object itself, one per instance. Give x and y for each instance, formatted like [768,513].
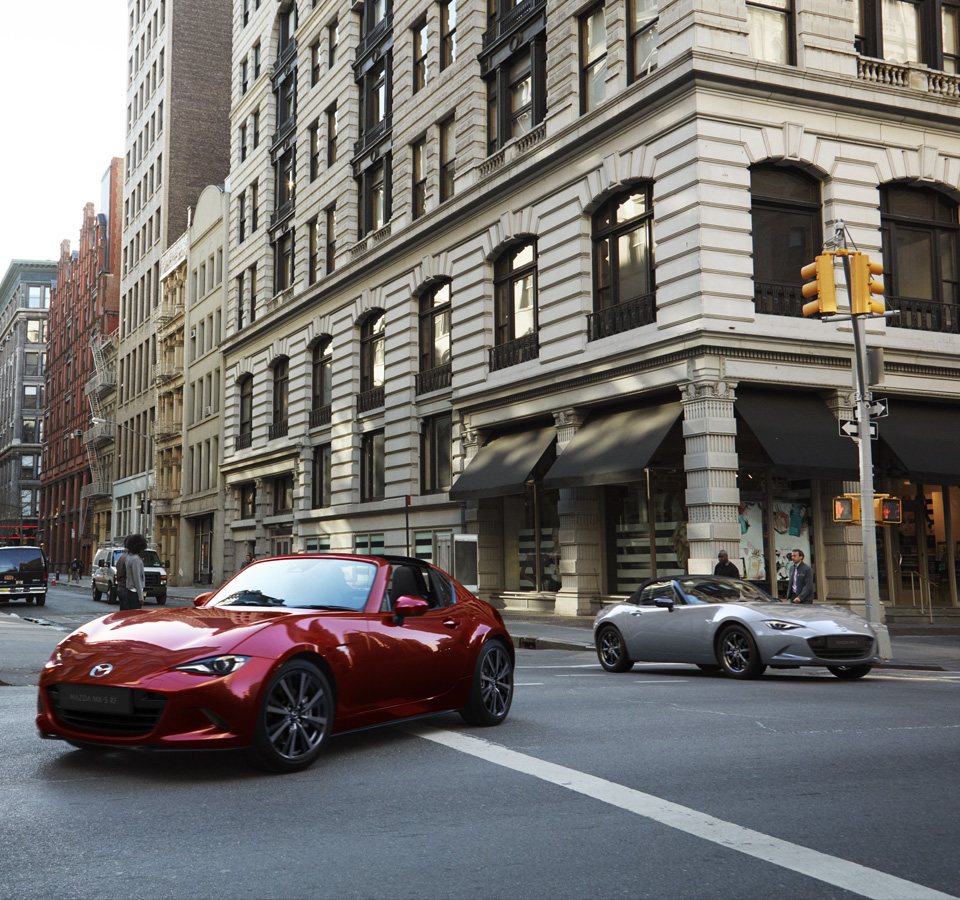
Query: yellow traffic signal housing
[823,288]
[862,287]
[846,509]
[888,510]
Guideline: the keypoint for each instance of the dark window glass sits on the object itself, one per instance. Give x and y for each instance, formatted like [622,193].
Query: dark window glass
[435,327]
[623,266]
[515,292]
[435,454]
[372,466]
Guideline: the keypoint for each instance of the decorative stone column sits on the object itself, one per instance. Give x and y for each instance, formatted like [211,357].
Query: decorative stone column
[710,463]
[263,505]
[580,537]
[483,518]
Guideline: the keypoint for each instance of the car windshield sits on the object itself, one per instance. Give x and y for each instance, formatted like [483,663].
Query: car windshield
[731,590]
[149,558]
[301,583]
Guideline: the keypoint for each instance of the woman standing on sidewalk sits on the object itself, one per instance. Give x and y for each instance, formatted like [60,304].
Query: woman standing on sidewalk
[130,577]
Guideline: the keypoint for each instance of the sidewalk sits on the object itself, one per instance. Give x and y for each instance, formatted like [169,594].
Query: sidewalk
[181,593]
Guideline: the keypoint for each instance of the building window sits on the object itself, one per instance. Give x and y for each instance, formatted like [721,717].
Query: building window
[420,49]
[254,204]
[419,151]
[516,96]
[434,338]
[374,87]
[448,33]
[369,544]
[435,455]
[332,130]
[288,27]
[787,234]
[371,466]
[333,41]
[283,495]
[286,179]
[243,142]
[372,349]
[921,257]
[373,187]
[244,66]
[322,378]
[283,262]
[771,30]
[281,397]
[321,477]
[448,158]
[644,36]
[593,59]
[313,264]
[515,306]
[314,137]
[331,238]
[246,410]
[256,61]
[248,501]
[315,63]
[623,266]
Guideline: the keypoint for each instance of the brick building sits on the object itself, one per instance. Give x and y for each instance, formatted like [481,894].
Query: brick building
[83,312]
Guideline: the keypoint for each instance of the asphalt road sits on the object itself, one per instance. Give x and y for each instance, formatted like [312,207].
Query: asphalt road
[659,783]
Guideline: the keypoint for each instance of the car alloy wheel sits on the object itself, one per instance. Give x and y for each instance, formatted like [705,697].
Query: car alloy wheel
[295,719]
[492,691]
[611,650]
[739,655]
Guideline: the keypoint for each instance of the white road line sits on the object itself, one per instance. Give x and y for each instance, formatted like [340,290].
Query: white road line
[841,873]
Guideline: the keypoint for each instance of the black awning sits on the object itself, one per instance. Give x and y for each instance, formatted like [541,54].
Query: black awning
[925,438]
[799,433]
[503,465]
[613,448]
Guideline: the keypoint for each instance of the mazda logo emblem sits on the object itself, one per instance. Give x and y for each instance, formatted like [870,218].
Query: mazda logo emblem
[101,670]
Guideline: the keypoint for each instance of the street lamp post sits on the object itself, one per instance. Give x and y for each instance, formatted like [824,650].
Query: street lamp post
[145,517]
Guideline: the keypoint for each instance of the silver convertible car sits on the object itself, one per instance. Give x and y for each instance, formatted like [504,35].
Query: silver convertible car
[730,625]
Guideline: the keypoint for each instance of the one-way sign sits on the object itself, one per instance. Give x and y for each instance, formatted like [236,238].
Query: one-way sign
[851,428]
[876,408]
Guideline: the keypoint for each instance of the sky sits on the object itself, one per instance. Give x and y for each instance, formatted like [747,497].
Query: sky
[62,108]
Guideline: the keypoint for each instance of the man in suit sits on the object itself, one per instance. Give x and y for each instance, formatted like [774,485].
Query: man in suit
[800,582]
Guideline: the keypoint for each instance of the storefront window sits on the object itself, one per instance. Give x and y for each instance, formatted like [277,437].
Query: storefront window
[531,537]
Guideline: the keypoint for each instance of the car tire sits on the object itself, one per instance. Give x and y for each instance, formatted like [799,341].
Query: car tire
[161,598]
[112,595]
[295,719]
[97,594]
[738,654]
[491,692]
[28,600]
[709,667]
[611,650]
[848,673]
[41,599]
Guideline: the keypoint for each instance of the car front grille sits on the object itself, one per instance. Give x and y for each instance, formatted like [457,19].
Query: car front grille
[841,646]
[152,579]
[146,708]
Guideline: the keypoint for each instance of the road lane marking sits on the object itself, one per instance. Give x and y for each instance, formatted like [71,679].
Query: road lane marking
[850,876]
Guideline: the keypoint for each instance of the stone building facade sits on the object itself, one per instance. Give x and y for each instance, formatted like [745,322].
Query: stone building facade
[532,273]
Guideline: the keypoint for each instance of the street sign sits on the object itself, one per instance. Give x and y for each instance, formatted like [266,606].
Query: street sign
[851,428]
[876,409]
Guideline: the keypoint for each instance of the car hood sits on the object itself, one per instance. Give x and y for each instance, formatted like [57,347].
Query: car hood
[139,642]
[811,614]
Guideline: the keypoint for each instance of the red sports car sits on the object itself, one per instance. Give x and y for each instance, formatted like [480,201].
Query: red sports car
[288,652]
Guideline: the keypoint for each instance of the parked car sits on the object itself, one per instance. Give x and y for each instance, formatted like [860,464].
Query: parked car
[730,625]
[104,575]
[290,651]
[23,574]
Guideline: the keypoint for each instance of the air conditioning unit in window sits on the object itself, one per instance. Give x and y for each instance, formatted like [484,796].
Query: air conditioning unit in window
[207,410]
[193,332]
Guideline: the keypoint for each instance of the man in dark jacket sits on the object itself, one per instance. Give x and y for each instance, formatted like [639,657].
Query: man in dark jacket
[800,580]
[724,567]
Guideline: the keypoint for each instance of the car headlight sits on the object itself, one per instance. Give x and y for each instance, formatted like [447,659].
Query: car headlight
[214,665]
[780,625]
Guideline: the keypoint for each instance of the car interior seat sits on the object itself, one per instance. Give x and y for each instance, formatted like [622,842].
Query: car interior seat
[406,582]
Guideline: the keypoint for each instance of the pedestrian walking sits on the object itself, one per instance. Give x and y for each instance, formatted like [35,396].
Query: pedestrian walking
[130,576]
[800,580]
[75,569]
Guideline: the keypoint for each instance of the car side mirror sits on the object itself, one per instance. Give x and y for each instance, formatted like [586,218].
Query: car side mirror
[408,606]
[202,598]
[665,603]
[166,565]
[102,563]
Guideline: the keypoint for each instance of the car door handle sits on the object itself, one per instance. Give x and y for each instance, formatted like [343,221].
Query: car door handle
[637,612]
[449,623]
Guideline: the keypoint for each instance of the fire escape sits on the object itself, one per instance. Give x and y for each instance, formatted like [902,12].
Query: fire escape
[101,433]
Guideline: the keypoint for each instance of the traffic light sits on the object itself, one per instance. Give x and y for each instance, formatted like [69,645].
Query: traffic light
[888,511]
[846,509]
[862,287]
[823,288]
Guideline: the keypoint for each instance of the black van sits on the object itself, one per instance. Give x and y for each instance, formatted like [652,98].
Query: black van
[23,574]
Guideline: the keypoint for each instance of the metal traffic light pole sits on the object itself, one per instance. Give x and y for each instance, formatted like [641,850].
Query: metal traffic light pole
[868,525]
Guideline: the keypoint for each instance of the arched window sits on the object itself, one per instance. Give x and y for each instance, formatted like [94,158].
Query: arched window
[920,257]
[787,234]
[245,435]
[624,289]
[434,338]
[515,306]
[372,343]
[281,398]
[322,370]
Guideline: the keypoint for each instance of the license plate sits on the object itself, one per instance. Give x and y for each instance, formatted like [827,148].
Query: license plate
[8,577]
[87,698]
[844,643]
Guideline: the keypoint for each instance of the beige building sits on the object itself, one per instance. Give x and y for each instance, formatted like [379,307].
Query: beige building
[532,272]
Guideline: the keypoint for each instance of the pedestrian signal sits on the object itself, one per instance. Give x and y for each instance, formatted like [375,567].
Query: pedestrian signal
[889,511]
[846,509]
[823,288]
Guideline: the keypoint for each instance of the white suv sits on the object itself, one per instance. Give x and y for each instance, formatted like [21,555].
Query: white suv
[105,575]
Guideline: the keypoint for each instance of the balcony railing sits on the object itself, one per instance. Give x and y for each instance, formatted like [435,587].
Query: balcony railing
[372,399]
[623,317]
[510,20]
[165,428]
[101,433]
[372,135]
[777,299]
[924,315]
[101,382]
[513,353]
[434,379]
[320,416]
[277,430]
[242,441]
[96,489]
